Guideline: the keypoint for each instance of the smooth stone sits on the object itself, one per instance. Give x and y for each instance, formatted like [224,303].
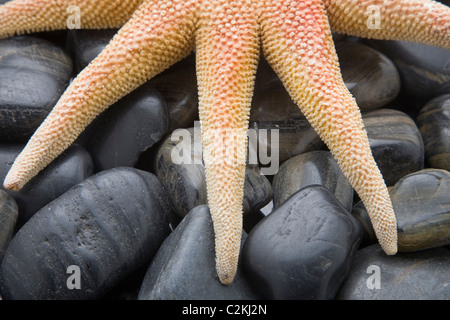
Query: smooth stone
[184,267]
[257,189]
[368,233]
[33,75]
[72,167]
[274,111]
[128,288]
[185,179]
[85,45]
[312,168]
[434,125]
[126,129]
[421,205]
[252,218]
[108,226]
[420,202]
[178,84]
[396,143]
[424,70]
[8,217]
[369,75]
[303,249]
[406,276]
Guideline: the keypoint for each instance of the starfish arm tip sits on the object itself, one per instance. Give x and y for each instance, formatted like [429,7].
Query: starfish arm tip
[225,277]
[390,249]
[12,183]
[388,238]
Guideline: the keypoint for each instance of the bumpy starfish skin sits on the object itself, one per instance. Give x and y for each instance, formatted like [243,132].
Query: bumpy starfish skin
[295,38]
[19,17]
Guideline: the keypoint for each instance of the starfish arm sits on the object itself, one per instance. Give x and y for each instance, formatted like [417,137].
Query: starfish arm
[297,43]
[227,51]
[25,16]
[158,35]
[423,21]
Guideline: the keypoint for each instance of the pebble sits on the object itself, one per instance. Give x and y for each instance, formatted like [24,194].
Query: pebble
[419,275]
[70,168]
[424,70]
[126,129]
[178,84]
[91,237]
[396,143]
[434,125]
[422,210]
[273,108]
[185,268]
[303,249]
[369,75]
[274,111]
[185,178]
[422,207]
[8,218]
[33,74]
[316,167]
[85,45]
[368,234]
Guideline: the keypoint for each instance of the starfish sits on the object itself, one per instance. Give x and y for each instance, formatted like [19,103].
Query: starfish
[227,36]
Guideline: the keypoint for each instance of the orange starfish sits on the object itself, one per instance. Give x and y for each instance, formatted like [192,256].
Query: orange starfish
[227,35]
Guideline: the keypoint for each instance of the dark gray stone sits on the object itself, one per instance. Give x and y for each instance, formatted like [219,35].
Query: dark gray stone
[420,275]
[369,75]
[422,207]
[303,249]
[33,75]
[178,84]
[312,168]
[423,69]
[72,167]
[85,45]
[422,210]
[274,109]
[108,226]
[368,234]
[126,129]
[434,123]
[396,143]
[8,218]
[185,180]
[185,269]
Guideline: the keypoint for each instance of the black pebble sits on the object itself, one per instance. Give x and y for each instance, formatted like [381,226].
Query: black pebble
[73,166]
[108,226]
[33,75]
[185,269]
[132,125]
[303,249]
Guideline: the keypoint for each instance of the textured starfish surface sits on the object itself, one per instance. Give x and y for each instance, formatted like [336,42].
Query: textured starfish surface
[295,38]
